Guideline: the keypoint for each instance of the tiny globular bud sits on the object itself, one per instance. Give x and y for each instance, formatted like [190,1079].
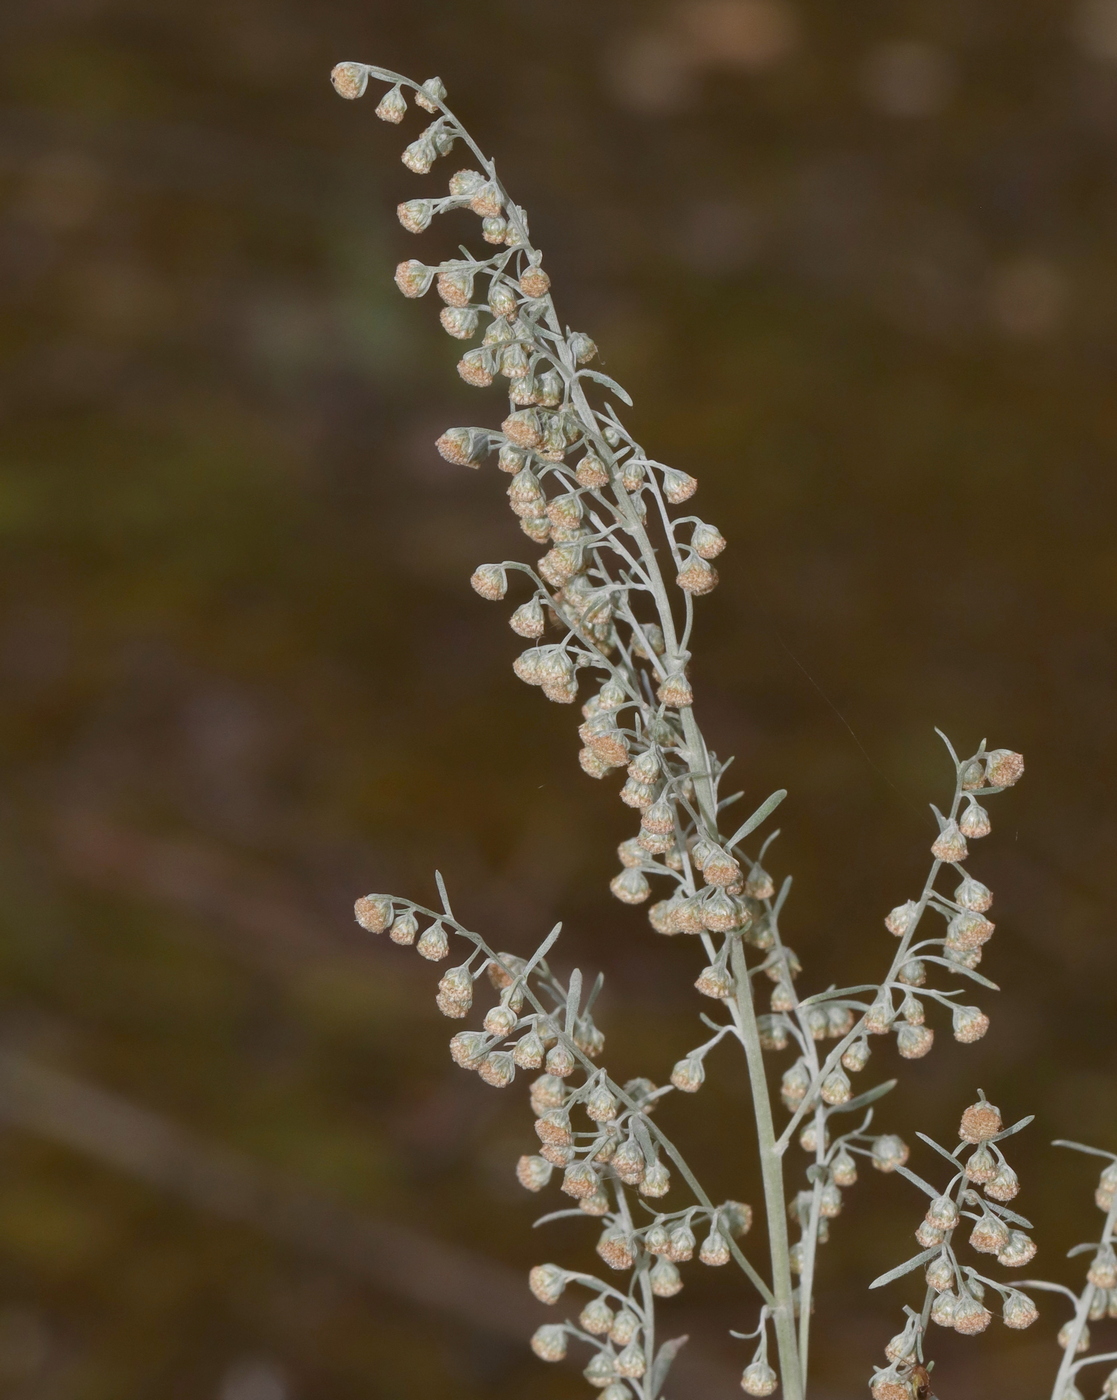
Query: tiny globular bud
[616,1248]
[940,1274]
[420,155]
[688,1074]
[465,183]
[597,1317]
[414,278]
[697,576]
[630,886]
[830,1201]
[404,929]
[548,1091]
[928,1236]
[715,982]
[972,894]
[808,1138]
[942,1312]
[657,1181]
[600,1105]
[970,1317]
[458,321]
[455,287]
[707,541]
[836,1088]
[975,822]
[457,987]
[736,1217]
[913,973]
[678,486]
[715,1248]
[497,1069]
[972,775]
[533,1173]
[580,1180]
[889,1152]
[758,1378]
[980,1122]
[591,472]
[547,1282]
[373,912]
[393,106]
[350,80]
[486,201]
[560,1061]
[942,1213]
[628,1162]
[967,931]
[857,1056]
[657,1239]
[490,581]
[475,367]
[527,620]
[534,282]
[913,1042]
[1005,1186]
[434,944]
[676,691]
[793,1088]
[950,846]
[1067,1333]
[681,1244]
[415,214]
[887,1385]
[844,1169]
[500,1020]
[981,1166]
[582,348]
[600,1371]
[1019,1311]
[631,1362]
[431,94]
[466,1048]
[1103,1270]
[502,302]
[901,919]
[493,230]
[1109,1389]
[880,1016]
[970,1023]
[1020,1250]
[665,1279]
[989,1235]
[549,1342]
[463,446]
[1003,767]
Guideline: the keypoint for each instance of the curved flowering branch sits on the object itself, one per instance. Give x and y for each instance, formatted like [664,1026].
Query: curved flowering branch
[539,1023]
[582,485]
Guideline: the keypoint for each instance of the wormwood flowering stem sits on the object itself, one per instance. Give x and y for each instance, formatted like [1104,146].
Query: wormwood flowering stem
[771,1168]
[601,588]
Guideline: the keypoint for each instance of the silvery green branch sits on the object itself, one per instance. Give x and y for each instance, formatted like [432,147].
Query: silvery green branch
[607,609]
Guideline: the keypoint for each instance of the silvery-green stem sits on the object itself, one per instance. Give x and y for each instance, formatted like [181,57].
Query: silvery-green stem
[771,1168]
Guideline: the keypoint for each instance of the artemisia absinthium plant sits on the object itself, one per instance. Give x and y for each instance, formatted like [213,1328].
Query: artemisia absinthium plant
[584,488]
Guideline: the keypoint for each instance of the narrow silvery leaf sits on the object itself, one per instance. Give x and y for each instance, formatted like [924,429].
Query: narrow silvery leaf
[901,1269]
[610,384]
[664,1357]
[765,809]
[869,1096]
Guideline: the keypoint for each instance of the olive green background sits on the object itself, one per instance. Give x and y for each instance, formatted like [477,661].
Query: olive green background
[856,264]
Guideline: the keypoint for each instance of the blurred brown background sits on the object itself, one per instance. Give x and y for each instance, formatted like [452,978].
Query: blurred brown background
[857,266]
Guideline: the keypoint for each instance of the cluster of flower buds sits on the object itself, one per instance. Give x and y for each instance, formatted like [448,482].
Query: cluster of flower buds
[956,1293]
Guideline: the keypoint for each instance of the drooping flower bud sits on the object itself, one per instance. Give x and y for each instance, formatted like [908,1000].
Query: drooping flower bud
[665,1279]
[758,1378]
[431,94]
[975,822]
[844,1169]
[534,282]
[970,1023]
[404,929]
[1019,1311]
[1003,767]
[616,1248]
[675,690]
[393,106]
[497,1069]
[928,1236]
[715,1248]
[434,944]
[1020,1250]
[1106,1191]
[900,920]
[631,1362]
[463,446]
[533,1173]
[697,576]
[989,1235]
[1103,1271]
[630,886]
[970,1317]
[972,894]
[715,982]
[793,1088]
[836,1088]
[415,214]
[942,1312]
[980,1122]
[678,486]
[913,1042]
[547,1282]
[421,154]
[657,1181]
[628,1162]
[950,846]
[981,1167]
[857,1056]
[597,1317]
[373,912]
[414,278]
[688,1074]
[350,80]
[1067,1334]
[1005,1186]
[889,1152]
[940,1274]
[579,1180]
